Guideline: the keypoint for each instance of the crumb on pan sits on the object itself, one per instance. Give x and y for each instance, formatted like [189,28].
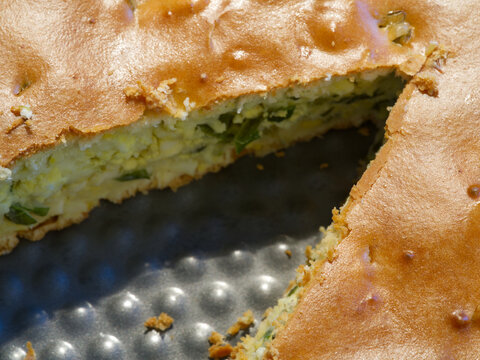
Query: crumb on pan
[30,352]
[280,154]
[219,348]
[243,323]
[260,167]
[324,165]
[216,338]
[219,351]
[161,323]
[288,253]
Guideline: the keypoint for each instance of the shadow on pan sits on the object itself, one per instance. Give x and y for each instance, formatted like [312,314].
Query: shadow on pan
[153,240]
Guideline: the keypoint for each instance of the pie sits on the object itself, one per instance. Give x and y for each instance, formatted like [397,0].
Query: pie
[396,275]
[103,99]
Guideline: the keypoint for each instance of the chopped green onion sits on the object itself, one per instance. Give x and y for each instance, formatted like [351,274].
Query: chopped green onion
[268,334]
[227,118]
[292,290]
[248,132]
[134,175]
[288,113]
[19,215]
[39,210]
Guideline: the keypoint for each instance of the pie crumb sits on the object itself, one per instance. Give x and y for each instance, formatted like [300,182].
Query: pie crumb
[324,165]
[30,352]
[216,338]
[280,154]
[219,348]
[309,252]
[288,253]
[219,351]
[243,323]
[161,323]
[260,167]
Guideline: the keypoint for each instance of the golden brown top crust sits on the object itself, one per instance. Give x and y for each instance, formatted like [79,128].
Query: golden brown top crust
[405,282]
[71,61]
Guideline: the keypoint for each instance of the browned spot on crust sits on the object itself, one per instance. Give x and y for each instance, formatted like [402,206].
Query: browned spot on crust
[460,318]
[474,191]
[161,323]
[408,255]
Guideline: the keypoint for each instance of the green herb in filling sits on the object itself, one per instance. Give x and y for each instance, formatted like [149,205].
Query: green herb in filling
[248,132]
[39,210]
[134,175]
[268,334]
[292,290]
[19,214]
[278,116]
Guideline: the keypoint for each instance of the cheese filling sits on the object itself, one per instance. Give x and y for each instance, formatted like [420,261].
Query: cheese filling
[159,151]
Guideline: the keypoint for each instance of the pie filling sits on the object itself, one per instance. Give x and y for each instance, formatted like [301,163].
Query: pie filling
[160,151]
[255,348]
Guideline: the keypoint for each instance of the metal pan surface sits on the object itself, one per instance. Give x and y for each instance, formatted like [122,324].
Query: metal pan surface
[204,255]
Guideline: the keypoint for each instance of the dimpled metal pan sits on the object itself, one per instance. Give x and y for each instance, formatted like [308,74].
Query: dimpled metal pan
[204,255]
